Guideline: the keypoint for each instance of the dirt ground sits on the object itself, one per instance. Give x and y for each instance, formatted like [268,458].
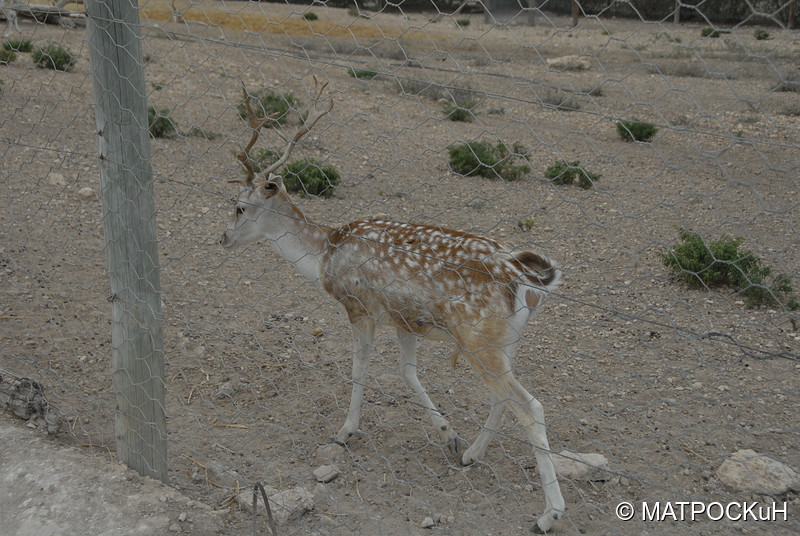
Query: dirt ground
[52,489]
[664,381]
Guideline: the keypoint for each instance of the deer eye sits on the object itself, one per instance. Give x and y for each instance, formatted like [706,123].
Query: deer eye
[239,210]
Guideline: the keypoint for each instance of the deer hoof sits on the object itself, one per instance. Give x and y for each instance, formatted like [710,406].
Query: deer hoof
[467,459]
[456,445]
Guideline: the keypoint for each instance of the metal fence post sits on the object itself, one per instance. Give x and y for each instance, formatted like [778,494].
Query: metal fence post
[130,229]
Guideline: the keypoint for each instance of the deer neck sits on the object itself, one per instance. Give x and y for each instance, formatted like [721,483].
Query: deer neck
[296,239]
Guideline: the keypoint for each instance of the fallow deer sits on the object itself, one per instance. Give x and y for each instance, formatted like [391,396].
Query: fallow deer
[9,10]
[423,280]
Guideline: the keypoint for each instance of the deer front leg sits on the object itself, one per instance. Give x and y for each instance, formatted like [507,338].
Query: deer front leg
[364,335]
[408,367]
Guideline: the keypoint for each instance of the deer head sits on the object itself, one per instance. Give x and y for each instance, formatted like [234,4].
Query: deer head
[259,201]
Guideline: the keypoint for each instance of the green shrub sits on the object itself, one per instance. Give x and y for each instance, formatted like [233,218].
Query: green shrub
[462,22]
[7,56]
[363,74]
[789,86]
[761,34]
[561,101]
[159,122]
[460,111]
[310,15]
[563,172]
[721,263]
[18,45]
[309,177]
[526,224]
[267,103]
[200,132]
[53,56]
[636,130]
[487,160]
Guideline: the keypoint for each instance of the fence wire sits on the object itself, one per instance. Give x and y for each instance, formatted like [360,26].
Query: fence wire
[664,380]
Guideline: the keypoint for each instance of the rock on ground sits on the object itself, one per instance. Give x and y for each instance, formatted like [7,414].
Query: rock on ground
[285,505]
[575,465]
[326,473]
[747,470]
[574,63]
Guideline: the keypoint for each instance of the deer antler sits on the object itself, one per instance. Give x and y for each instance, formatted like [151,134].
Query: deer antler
[256,124]
[308,124]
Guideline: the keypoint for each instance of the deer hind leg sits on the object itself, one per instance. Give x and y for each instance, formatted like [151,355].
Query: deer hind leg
[493,424]
[493,364]
[364,336]
[530,413]
[408,363]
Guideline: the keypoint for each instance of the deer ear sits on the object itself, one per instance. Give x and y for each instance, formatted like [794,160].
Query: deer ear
[273,186]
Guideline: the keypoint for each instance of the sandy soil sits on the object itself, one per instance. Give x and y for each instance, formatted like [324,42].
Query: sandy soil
[663,381]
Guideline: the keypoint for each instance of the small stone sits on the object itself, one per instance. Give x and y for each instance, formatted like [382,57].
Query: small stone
[56,179]
[182,517]
[326,473]
[427,523]
[571,63]
[590,467]
[316,332]
[87,194]
[174,528]
[226,390]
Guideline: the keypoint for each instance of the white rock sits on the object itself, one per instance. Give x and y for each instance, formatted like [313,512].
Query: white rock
[572,63]
[326,473]
[427,523]
[288,504]
[586,466]
[747,470]
[56,179]
[217,475]
[87,194]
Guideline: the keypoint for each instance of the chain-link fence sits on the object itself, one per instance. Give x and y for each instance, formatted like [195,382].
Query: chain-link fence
[656,162]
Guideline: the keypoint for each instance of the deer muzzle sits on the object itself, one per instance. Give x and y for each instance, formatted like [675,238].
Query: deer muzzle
[225,241]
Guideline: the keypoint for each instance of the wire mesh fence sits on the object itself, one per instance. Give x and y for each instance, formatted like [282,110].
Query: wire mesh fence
[665,376]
